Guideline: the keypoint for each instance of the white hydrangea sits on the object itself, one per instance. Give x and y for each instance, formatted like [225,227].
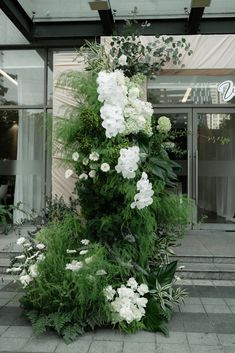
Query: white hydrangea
[144,197]
[105,167]
[128,304]
[127,162]
[164,124]
[74,266]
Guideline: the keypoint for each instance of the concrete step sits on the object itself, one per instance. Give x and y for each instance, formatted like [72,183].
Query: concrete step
[4,264]
[204,259]
[210,271]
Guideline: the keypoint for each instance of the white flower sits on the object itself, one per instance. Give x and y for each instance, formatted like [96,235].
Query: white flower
[19,257]
[40,257]
[88,260]
[83,252]
[109,292]
[75,156]
[122,60]
[143,289]
[144,197]
[125,292]
[74,266]
[68,173]
[101,273]
[134,93]
[25,280]
[127,162]
[105,167]
[132,283]
[113,119]
[21,240]
[85,241]
[92,173]
[83,176]
[141,302]
[85,161]
[94,156]
[40,246]
[164,124]
[33,270]
[68,251]
[16,269]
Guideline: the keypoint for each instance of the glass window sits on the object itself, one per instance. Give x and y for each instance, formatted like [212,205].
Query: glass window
[9,33]
[22,151]
[187,90]
[21,77]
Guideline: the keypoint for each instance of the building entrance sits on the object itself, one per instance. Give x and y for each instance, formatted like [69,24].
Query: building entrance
[205,141]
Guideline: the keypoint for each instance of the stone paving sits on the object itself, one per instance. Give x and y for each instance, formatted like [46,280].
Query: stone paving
[205,324]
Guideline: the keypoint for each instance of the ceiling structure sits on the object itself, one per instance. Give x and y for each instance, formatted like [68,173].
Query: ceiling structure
[49,22]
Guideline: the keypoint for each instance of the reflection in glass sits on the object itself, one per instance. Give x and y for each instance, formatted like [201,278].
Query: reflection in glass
[177,148]
[216,167]
[21,77]
[21,159]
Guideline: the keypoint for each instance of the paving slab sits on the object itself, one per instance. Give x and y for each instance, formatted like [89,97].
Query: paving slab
[13,344]
[108,335]
[171,348]
[227,339]
[174,337]
[205,349]
[209,339]
[18,332]
[133,347]
[79,346]
[35,345]
[106,347]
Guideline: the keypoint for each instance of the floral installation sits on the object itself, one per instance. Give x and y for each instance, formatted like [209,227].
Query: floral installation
[108,261]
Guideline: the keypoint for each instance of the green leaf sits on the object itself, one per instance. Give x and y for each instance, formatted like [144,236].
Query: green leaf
[153,320]
[166,273]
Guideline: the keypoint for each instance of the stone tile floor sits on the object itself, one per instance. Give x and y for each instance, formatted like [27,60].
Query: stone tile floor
[205,324]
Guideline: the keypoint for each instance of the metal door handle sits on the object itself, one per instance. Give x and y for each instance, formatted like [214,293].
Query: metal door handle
[188,174]
[196,175]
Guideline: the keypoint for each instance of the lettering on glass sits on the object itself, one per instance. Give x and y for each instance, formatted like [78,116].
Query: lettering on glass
[227,89]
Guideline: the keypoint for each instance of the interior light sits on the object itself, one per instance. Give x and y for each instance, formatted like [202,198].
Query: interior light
[186,95]
[3,73]
[200,3]
[99,5]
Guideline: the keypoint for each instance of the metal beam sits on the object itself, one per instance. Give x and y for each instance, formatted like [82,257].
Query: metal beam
[18,16]
[107,21]
[195,17]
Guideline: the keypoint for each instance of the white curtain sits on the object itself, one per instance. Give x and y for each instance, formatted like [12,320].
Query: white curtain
[29,172]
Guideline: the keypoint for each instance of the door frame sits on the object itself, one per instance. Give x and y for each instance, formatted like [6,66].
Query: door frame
[192,153]
[195,112]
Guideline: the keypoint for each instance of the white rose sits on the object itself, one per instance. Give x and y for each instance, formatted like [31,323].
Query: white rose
[132,283]
[122,60]
[83,176]
[75,156]
[92,173]
[105,167]
[94,156]
[68,173]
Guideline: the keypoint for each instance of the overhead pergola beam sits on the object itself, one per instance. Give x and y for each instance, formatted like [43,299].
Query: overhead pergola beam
[15,12]
[107,21]
[195,18]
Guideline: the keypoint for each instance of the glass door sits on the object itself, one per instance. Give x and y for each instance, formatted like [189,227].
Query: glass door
[214,166]
[181,149]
